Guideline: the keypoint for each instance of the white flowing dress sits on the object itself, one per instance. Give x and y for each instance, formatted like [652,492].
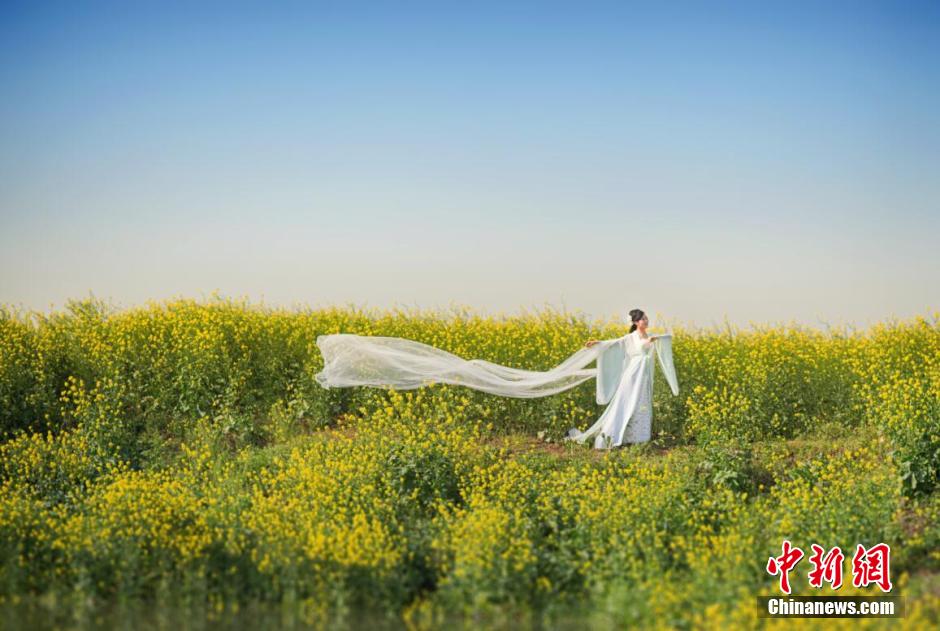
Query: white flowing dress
[624,376]
[629,416]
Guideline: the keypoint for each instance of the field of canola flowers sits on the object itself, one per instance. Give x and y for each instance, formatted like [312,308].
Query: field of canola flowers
[178,465]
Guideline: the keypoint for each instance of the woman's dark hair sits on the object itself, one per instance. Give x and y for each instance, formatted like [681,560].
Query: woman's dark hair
[635,316]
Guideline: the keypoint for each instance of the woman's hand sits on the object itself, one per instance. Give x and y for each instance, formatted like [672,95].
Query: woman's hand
[590,343]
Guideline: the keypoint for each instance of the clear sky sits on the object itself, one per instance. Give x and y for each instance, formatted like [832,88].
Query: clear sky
[760,162]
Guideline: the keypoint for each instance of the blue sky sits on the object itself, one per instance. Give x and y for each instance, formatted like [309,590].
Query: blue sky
[755,162]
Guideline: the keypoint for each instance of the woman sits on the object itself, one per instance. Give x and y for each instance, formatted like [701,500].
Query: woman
[624,372]
[628,381]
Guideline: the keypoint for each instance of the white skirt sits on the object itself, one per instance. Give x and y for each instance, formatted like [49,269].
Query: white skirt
[639,428]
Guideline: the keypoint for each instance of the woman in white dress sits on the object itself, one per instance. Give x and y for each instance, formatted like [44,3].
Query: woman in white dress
[624,374]
[629,417]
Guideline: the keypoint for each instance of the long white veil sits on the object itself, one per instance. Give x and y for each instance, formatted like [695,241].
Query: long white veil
[402,364]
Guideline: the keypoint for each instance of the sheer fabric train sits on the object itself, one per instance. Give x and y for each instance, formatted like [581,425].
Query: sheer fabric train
[403,364]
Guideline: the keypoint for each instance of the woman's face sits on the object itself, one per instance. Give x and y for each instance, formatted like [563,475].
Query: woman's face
[642,323]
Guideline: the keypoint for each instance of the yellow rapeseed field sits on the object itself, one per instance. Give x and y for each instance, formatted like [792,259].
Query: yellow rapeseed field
[181,457]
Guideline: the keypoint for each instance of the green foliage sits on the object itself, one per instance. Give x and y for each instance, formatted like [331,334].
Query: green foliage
[185,453]
[729,465]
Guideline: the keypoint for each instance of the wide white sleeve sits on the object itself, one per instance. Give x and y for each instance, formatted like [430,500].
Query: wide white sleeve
[662,346]
[609,368]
